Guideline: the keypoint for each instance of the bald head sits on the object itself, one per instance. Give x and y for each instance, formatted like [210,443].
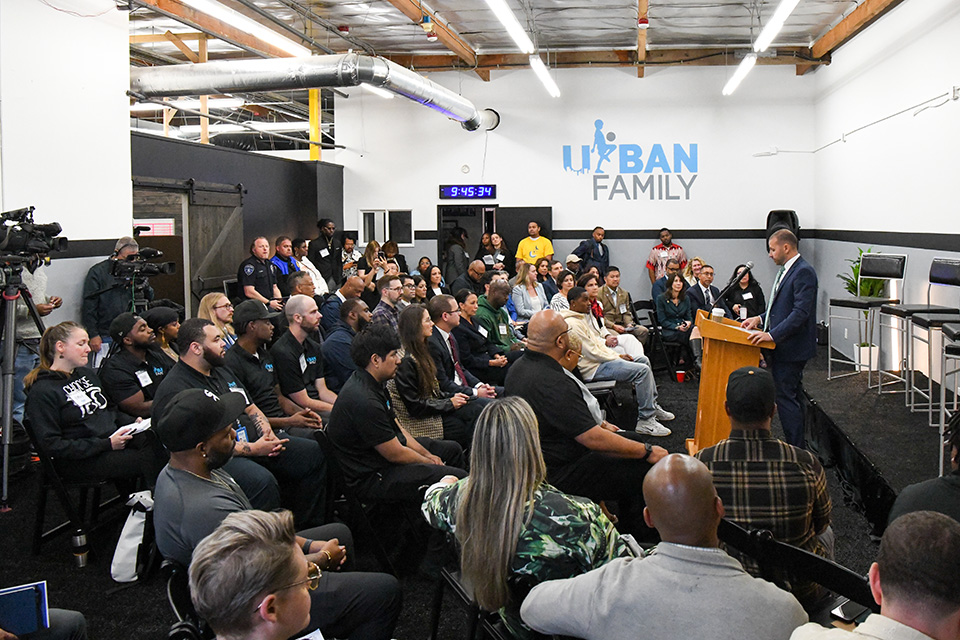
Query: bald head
[353,287]
[476,270]
[682,503]
[543,332]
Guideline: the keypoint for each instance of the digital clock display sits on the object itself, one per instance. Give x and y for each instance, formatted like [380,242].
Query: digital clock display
[467,191]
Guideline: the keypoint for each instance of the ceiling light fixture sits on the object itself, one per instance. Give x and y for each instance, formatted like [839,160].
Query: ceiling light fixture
[511,24]
[431,37]
[212,103]
[383,93]
[544,76]
[236,19]
[748,61]
[775,24]
[275,127]
[427,24]
[643,23]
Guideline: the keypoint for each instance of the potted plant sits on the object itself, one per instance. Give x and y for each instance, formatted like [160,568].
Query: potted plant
[865,353]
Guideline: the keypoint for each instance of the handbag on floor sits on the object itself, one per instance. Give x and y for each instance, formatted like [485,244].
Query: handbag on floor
[130,558]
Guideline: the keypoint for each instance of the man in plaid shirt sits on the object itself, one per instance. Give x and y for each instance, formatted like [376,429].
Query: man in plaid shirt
[766,483]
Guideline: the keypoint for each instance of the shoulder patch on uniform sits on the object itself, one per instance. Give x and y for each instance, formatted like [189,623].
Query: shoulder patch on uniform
[248,269]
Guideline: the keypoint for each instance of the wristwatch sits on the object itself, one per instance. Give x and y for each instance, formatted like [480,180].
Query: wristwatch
[647,454]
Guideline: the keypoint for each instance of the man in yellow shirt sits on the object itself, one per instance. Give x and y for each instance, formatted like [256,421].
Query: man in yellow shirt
[535,247]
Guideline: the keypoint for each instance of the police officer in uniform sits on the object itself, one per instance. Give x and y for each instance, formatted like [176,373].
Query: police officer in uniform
[257,276]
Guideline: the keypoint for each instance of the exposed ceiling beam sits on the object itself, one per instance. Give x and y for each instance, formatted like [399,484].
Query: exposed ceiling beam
[162,37]
[212,27]
[184,49]
[450,38]
[853,24]
[642,8]
[607,58]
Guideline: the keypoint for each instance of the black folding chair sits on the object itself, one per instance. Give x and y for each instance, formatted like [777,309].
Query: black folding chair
[669,350]
[189,625]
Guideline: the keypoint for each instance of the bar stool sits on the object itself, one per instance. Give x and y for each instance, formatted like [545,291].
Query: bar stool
[899,316]
[950,355]
[878,266]
[931,322]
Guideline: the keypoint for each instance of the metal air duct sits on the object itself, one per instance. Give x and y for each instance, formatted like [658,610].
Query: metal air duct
[281,74]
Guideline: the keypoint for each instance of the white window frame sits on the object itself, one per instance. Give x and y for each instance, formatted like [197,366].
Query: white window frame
[381,226]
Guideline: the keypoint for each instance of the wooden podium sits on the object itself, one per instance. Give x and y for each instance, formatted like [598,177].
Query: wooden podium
[726,348]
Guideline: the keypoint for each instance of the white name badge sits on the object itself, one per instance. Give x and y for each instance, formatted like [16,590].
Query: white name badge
[79,398]
[144,378]
[324,253]
[303,363]
[664,254]
[748,296]
[623,308]
[503,329]
[482,331]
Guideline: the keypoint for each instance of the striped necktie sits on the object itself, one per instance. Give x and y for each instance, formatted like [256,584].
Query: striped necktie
[776,285]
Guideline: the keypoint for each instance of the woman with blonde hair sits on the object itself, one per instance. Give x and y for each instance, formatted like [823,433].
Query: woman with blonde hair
[67,410]
[515,530]
[691,272]
[217,308]
[528,295]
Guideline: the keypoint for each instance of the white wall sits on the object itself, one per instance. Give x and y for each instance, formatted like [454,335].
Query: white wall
[899,175]
[398,152]
[64,134]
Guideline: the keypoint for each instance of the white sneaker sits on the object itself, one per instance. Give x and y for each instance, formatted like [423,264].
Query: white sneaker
[662,414]
[650,427]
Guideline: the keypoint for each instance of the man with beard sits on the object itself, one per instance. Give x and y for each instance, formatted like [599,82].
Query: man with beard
[132,374]
[262,458]
[324,253]
[250,361]
[354,316]
[300,360]
[194,494]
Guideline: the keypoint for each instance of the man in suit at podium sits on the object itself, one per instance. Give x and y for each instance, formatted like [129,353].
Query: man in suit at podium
[791,321]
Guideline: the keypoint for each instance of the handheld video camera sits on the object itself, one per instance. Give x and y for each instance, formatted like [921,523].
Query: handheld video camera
[137,267]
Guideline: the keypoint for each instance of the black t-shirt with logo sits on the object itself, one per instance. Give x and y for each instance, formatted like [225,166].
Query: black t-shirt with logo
[298,366]
[182,377]
[123,374]
[258,374]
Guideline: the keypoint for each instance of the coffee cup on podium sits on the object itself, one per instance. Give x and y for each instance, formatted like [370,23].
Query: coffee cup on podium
[716,314]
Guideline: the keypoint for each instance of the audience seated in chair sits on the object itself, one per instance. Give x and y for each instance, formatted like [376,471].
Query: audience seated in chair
[703,295]
[452,373]
[337,363]
[427,391]
[299,358]
[687,588]
[197,500]
[618,307]
[675,314]
[67,410]
[748,294]
[217,308]
[514,529]
[257,276]
[528,295]
[165,323]
[134,368]
[623,343]
[915,580]
[766,483]
[478,354]
[284,262]
[493,317]
[471,279]
[253,366]
[386,312]
[264,463]
[691,272]
[380,460]
[939,494]
[330,311]
[660,285]
[601,362]
[585,454]
[566,280]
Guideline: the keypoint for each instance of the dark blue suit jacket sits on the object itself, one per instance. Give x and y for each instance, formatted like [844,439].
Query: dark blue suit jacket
[697,302]
[793,314]
[445,371]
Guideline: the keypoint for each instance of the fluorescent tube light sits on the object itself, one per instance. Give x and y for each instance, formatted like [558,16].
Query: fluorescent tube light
[740,73]
[775,24]
[511,24]
[383,93]
[212,103]
[274,127]
[544,76]
[236,19]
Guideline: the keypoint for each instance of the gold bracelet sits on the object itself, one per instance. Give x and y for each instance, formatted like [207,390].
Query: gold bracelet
[329,559]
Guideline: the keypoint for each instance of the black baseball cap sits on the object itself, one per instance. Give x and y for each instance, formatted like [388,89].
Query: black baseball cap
[194,415]
[122,325]
[751,394]
[248,311]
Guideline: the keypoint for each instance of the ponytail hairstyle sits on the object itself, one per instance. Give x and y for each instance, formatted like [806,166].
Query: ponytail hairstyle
[48,348]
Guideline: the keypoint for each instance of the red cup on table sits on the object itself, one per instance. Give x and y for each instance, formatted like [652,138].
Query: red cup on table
[681,376]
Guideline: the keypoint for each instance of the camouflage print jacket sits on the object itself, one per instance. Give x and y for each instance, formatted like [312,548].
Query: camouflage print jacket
[567,536]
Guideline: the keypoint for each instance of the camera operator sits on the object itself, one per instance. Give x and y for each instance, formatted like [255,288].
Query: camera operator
[106,296]
[28,335]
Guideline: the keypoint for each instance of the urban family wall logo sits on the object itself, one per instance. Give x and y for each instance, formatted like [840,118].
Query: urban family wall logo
[658,176]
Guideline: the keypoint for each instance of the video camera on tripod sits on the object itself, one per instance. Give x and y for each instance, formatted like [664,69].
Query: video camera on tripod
[21,236]
[135,271]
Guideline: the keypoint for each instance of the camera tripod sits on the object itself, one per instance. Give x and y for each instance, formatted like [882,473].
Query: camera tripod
[13,290]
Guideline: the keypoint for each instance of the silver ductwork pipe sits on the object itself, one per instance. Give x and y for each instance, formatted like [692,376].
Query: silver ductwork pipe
[284,74]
